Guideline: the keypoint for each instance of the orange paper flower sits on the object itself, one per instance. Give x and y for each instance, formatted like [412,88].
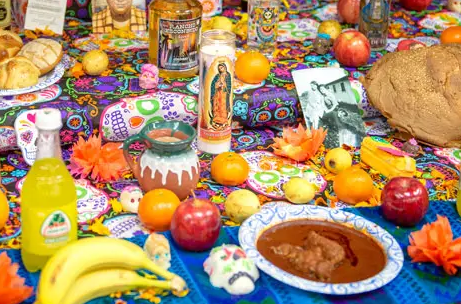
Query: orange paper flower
[434,243]
[102,162]
[299,144]
[12,289]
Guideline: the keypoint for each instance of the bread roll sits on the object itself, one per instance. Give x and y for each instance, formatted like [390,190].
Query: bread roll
[18,72]
[10,44]
[44,53]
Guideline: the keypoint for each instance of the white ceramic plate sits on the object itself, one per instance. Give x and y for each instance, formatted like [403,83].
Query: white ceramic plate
[252,228]
[45,81]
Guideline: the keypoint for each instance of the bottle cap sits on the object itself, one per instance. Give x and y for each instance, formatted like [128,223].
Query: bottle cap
[48,119]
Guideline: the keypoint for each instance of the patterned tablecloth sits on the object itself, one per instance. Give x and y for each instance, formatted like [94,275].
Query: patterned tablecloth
[115,106]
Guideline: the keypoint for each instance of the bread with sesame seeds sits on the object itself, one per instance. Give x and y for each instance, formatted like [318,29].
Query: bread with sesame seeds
[44,53]
[419,92]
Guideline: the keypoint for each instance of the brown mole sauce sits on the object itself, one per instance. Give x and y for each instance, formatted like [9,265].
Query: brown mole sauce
[364,256]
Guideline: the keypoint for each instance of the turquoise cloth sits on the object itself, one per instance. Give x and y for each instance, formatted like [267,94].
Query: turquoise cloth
[416,283]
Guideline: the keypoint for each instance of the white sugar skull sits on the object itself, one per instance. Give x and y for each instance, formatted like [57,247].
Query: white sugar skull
[158,250]
[26,135]
[454,5]
[230,268]
[130,198]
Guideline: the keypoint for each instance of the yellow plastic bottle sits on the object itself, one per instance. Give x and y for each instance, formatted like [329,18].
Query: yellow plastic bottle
[48,197]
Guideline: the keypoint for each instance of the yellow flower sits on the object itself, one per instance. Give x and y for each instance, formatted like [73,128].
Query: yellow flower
[116,205]
[98,227]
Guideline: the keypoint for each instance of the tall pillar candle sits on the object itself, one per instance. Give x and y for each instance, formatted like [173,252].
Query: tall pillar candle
[217,56]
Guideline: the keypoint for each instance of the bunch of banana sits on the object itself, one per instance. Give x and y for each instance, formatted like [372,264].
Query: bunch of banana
[96,267]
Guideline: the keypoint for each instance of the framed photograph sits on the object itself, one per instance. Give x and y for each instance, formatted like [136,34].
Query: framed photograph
[127,15]
[327,101]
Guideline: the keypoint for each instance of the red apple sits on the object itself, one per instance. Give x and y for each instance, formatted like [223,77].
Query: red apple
[352,49]
[349,10]
[409,44]
[404,201]
[196,224]
[415,5]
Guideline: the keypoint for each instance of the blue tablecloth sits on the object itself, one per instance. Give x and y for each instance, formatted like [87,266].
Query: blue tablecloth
[416,283]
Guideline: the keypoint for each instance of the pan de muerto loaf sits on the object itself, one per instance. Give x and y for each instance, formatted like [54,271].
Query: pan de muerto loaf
[419,92]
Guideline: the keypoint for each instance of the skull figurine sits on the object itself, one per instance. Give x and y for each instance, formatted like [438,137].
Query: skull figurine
[130,198]
[230,268]
[26,135]
[149,76]
[158,250]
[454,5]
[322,44]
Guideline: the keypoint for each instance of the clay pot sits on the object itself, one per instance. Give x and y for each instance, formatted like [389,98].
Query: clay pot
[168,162]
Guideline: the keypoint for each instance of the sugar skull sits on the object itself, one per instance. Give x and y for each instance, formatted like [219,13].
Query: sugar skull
[149,76]
[130,198]
[322,44]
[158,250]
[230,268]
[26,135]
[454,5]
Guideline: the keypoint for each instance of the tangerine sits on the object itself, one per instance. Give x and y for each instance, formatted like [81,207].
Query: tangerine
[4,210]
[252,67]
[451,34]
[156,209]
[229,169]
[353,185]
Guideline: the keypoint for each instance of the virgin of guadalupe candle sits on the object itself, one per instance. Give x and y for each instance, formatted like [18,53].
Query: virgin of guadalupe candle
[217,55]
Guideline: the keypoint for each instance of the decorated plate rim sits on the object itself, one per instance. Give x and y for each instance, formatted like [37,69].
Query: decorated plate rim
[47,80]
[250,231]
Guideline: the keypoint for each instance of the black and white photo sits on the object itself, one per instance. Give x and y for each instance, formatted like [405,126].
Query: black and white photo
[327,101]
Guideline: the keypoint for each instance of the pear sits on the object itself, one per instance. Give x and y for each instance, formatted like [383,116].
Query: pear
[299,191]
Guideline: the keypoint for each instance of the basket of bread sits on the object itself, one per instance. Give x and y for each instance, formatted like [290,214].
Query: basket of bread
[29,67]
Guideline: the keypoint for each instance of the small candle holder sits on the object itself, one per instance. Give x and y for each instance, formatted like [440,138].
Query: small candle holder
[217,56]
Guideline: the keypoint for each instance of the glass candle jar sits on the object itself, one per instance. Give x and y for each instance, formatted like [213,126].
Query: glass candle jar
[263,20]
[217,56]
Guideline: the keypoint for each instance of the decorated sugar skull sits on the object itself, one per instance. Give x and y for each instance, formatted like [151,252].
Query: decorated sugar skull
[158,250]
[230,268]
[454,5]
[26,135]
[149,76]
[130,198]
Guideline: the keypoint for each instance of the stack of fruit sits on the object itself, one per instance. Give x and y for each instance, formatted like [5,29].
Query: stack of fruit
[96,267]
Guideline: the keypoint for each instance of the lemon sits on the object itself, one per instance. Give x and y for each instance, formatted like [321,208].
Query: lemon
[95,62]
[330,27]
[337,160]
[241,204]
[222,23]
[4,210]
[299,191]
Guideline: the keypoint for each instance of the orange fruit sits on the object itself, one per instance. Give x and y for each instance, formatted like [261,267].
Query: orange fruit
[156,209]
[451,34]
[252,67]
[4,210]
[229,169]
[353,185]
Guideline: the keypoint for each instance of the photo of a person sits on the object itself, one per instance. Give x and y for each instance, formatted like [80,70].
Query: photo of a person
[120,15]
[220,98]
[327,101]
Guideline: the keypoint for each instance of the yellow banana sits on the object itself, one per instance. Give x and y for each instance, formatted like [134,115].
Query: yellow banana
[103,282]
[86,255]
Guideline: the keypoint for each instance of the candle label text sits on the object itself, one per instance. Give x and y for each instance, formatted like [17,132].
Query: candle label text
[215,116]
[178,44]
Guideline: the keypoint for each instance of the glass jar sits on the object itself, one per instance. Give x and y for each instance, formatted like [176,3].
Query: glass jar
[217,56]
[263,20]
